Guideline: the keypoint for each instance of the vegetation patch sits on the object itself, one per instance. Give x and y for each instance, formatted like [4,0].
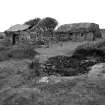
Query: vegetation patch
[18,52]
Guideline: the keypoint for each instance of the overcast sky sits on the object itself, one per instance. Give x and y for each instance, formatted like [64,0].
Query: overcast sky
[65,11]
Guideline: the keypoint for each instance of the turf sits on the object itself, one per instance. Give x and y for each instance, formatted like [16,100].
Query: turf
[17,88]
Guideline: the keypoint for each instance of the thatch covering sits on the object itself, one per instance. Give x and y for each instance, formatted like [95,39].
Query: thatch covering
[78,27]
[18,27]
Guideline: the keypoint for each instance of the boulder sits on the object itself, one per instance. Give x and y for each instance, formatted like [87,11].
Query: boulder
[97,72]
[44,79]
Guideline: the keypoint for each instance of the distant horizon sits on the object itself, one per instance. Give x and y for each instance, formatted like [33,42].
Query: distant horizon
[14,12]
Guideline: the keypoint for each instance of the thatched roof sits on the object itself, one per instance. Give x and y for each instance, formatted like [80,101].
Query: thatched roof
[78,27]
[18,27]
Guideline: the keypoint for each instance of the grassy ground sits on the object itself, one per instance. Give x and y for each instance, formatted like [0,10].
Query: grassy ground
[77,91]
[17,88]
[61,48]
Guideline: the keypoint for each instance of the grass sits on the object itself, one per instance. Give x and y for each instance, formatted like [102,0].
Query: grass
[61,48]
[20,73]
[17,52]
[13,72]
[72,92]
[94,44]
[16,87]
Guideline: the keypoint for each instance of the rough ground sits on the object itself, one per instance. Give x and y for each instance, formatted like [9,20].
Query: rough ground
[77,91]
[17,88]
[62,48]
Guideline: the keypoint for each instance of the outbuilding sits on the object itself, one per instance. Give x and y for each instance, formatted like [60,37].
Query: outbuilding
[14,33]
[78,32]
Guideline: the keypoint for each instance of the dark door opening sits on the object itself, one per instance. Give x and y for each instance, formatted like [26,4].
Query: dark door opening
[14,39]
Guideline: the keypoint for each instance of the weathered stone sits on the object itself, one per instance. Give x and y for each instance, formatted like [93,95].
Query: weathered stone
[97,72]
